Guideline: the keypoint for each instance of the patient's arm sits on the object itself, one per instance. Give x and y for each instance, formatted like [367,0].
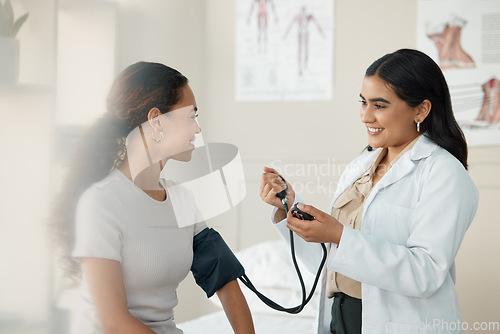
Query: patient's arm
[236,308]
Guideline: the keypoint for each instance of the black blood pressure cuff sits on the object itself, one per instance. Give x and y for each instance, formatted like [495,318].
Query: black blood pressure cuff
[214,264]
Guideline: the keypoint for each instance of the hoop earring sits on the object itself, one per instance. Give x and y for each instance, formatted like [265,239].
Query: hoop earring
[159,139]
[418,126]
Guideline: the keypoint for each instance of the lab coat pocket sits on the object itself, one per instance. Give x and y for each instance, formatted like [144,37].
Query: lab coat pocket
[393,222]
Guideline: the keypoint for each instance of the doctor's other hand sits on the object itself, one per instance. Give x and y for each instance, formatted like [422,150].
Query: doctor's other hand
[270,185]
[324,228]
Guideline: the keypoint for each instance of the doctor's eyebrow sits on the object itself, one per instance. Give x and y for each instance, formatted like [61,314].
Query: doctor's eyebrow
[377,99]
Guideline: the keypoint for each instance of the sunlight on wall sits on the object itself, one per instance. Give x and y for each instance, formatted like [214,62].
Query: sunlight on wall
[86,62]
[83,40]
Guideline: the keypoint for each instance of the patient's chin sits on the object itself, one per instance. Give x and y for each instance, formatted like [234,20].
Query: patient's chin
[183,156]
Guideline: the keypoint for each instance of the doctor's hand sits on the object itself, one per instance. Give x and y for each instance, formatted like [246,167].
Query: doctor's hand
[270,185]
[324,228]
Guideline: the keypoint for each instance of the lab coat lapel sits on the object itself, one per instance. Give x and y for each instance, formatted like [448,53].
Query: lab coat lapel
[422,149]
[354,172]
[402,167]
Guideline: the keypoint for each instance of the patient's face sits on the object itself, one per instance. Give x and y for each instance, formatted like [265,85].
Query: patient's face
[181,126]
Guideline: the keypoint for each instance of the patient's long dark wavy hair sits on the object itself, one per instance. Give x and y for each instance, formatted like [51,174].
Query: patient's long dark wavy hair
[135,91]
[414,77]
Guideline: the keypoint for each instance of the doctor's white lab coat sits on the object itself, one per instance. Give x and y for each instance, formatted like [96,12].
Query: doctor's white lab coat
[414,221]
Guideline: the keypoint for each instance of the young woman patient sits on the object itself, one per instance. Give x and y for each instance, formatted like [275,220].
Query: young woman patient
[115,219]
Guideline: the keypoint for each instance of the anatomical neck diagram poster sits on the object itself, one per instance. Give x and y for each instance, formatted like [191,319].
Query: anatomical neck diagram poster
[463,37]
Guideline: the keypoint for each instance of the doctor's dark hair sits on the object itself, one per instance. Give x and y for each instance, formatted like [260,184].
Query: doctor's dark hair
[135,91]
[414,77]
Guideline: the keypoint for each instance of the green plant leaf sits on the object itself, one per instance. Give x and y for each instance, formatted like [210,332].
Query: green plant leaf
[17,25]
[10,13]
[4,27]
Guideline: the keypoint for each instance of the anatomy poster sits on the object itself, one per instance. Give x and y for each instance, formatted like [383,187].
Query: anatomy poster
[463,37]
[284,50]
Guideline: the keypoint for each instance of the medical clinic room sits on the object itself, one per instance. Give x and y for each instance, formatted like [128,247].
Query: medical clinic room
[249,166]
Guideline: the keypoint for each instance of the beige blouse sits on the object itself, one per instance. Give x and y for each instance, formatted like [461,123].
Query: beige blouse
[348,210]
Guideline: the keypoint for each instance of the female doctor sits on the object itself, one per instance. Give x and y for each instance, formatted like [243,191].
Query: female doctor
[400,211]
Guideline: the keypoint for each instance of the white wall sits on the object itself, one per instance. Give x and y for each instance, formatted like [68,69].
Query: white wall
[27,114]
[170,32]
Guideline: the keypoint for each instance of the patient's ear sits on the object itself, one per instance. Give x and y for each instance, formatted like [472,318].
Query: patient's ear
[154,118]
[423,110]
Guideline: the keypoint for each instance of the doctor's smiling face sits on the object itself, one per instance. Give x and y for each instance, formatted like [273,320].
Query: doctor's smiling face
[390,122]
